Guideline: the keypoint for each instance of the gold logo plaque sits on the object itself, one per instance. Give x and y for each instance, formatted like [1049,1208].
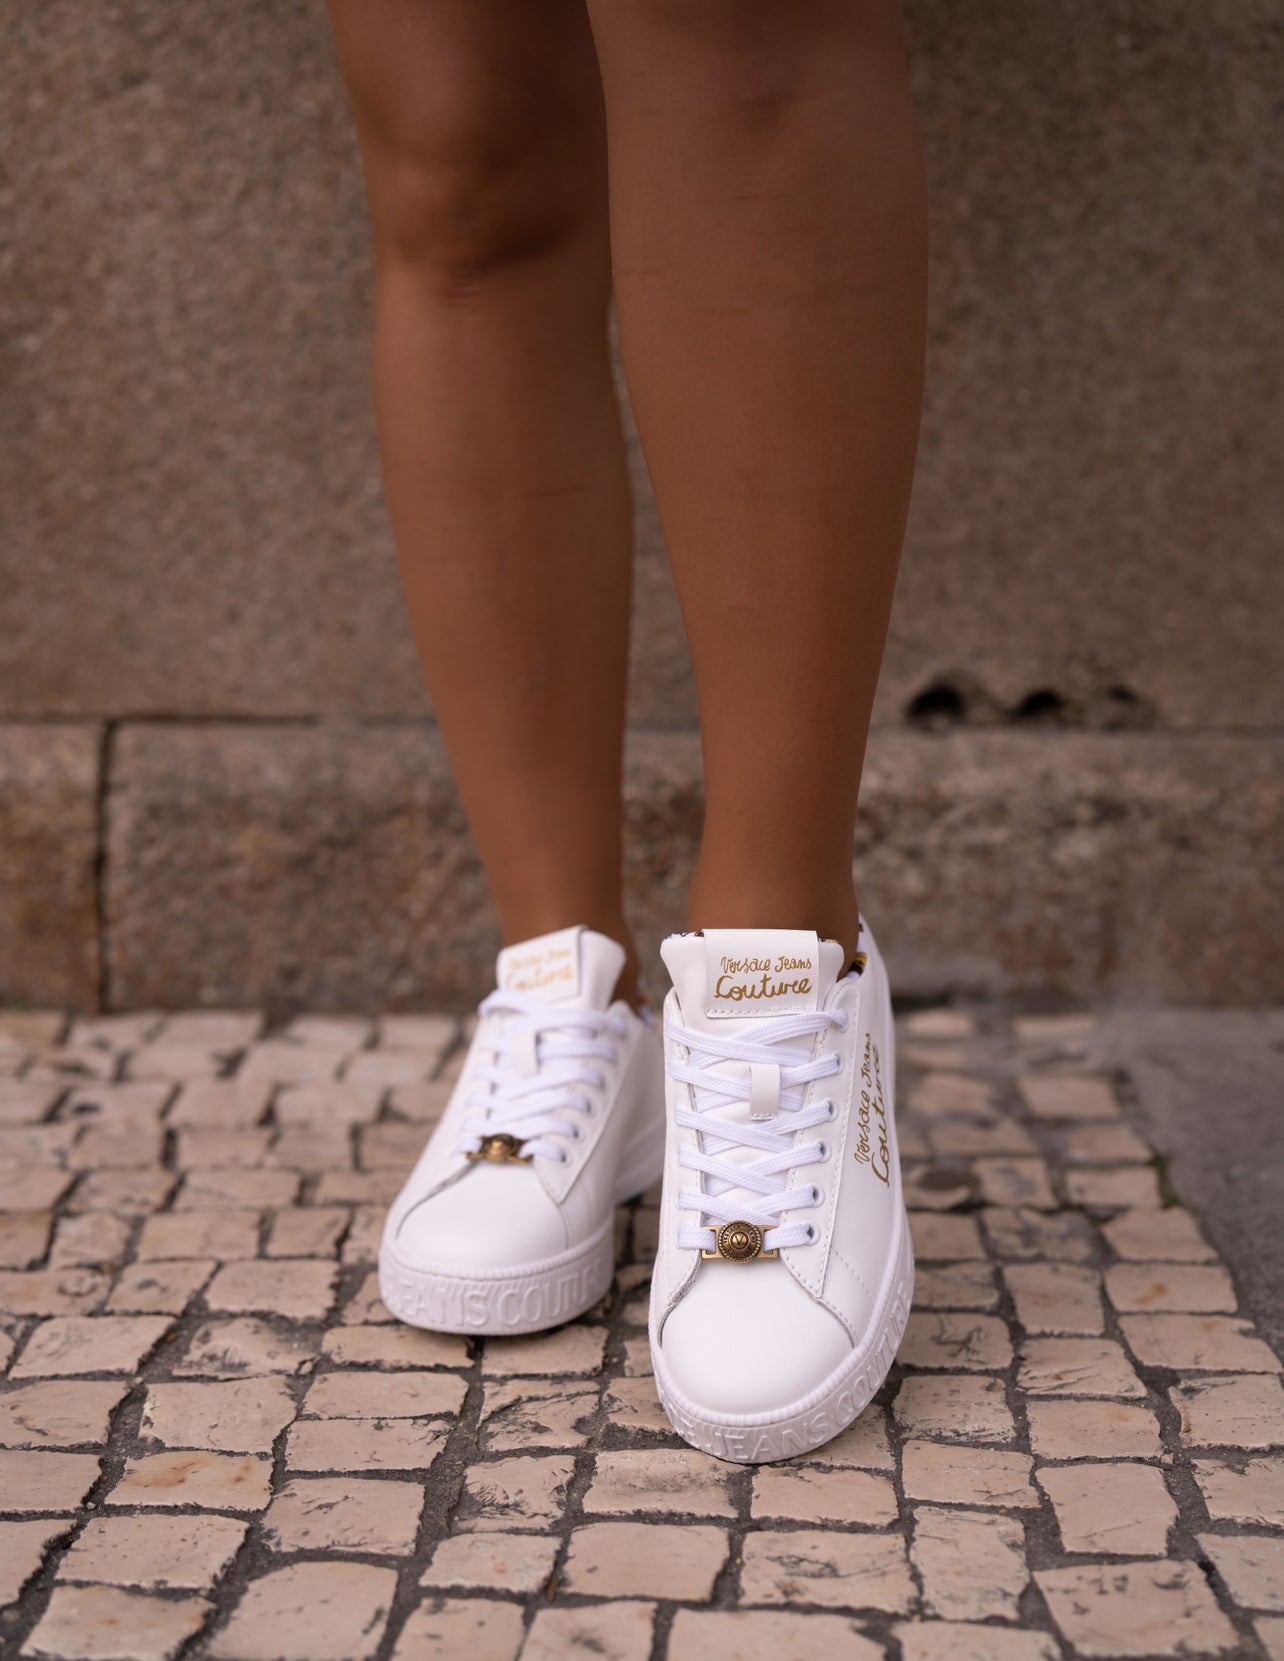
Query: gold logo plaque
[501,1149]
[739,1243]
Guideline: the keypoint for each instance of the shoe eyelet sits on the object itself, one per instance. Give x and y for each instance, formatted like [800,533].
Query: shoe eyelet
[599,1080]
[811,1235]
[833,1111]
[817,1196]
[822,1148]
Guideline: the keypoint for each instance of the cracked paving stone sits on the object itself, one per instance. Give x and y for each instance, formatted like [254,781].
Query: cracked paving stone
[942,1239]
[1077,1367]
[1252,1495]
[1122,1509]
[518,1563]
[1235,1411]
[1252,1565]
[38,1480]
[631,1404]
[963,1641]
[957,1474]
[832,1570]
[964,1285]
[345,1513]
[536,1413]
[109,1623]
[64,1414]
[599,1632]
[1056,1298]
[89,1344]
[570,1350]
[237,1190]
[968,1342]
[154,1553]
[1195,1343]
[1068,1096]
[332,1611]
[862,1446]
[1103,1190]
[1127,1609]
[1015,1182]
[212,1481]
[234,1416]
[52,1292]
[364,1395]
[1191,1288]
[325,1445]
[768,1635]
[326,1105]
[1167,1236]
[443,1629]
[516,1493]
[955,1407]
[93,1239]
[228,1103]
[297,1288]
[1059,1236]
[1092,1430]
[244,1348]
[159,1288]
[1103,1145]
[307,1231]
[365,1307]
[24,1238]
[659,1480]
[971,1564]
[805,1495]
[222,1235]
[393,1347]
[648,1560]
[22,1550]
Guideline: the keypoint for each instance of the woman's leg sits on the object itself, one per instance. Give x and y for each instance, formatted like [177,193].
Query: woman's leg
[769,236]
[481,132]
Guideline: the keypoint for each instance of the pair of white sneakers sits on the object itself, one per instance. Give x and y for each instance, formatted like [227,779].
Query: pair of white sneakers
[784,1269]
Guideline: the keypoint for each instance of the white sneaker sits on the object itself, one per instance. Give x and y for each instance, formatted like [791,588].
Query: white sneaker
[783,1279]
[507,1223]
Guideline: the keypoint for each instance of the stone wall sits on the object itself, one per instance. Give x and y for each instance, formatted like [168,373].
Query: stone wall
[218,776]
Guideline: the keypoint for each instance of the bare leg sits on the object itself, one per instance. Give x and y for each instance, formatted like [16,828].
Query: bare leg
[481,131]
[770,248]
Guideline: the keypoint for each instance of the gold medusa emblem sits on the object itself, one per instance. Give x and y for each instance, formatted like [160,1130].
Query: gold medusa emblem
[501,1149]
[739,1243]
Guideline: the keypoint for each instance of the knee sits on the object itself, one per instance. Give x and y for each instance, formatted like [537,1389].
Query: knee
[467,189]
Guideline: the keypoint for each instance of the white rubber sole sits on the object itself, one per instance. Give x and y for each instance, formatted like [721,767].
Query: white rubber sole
[529,1297]
[757,1439]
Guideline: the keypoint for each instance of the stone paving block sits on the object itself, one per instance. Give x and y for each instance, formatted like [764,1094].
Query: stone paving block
[212,1481]
[359,1187]
[1056,1297]
[325,1445]
[942,1239]
[159,1287]
[104,1146]
[394,1347]
[24,1238]
[1136,1288]
[973,1343]
[31,1188]
[520,1493]
[631,1404]
[954,1407]
[133,1192]
[345,1513]
[637,1361]
[200,1234]
[941,1093]
[1068,1096]
[1252,1566]
[63,1413]
[302,1289]
[108,1623]
[244,1347]
[1117,1190]
[1092,1430]
[975,1138]
[6,1350]
[367,1395]
[361,1243]
[933,1024]
[571,1349]
[443,1629]
[306,1231]
[36,1144]
[389,1145]
[1167,1236]
[863,1446]
[89,1344]
[199,1146]
[277,1061]
[831,1570]
[25,1103]
[1123,1509]
[1077,1367]
[971,1564]
[154,1553]
[94,1239]
[768,1635]
[22,1550]
[311,1149]
[326,1106]
[1252,1495]
[228,1030]
[601,1632]
[803,1495]
[961,1641]
[518,1563]
[961,1285]
[228,1103]
[166,1060]
[937,1187]
[536,1413]
[1059,1236]
[1103,1145]
[645,1560]
[1197,1343]
[659,1481]
[1127,1609]
[424,1103]
[36,1480]
[1015,1182]
[59,1064]
[119,1107]
[1237,1411]
[342,1032]
[332,1611]
[238,1416]
[52,1291]
[31,1027]
[960,1475]
[418,1032]
[365,1306]
[213,1190]
[1270,1634]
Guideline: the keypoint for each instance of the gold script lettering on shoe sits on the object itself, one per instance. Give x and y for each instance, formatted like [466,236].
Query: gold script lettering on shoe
[739,1243]
[501,1150]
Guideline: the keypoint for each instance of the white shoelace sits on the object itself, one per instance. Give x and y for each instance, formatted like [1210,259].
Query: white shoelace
[775,1136]
[534,1086]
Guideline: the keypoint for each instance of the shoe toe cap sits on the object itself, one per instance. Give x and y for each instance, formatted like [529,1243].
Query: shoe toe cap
[749,1339]
[493,1217]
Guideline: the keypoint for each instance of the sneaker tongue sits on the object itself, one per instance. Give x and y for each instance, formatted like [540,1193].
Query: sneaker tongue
[728,979]
[576,967]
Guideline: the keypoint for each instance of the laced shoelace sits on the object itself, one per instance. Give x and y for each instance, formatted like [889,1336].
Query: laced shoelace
[533,1087]
[776,1136]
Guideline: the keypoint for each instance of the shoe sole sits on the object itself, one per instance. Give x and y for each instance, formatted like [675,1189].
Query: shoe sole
[760,1439]
[524,1298]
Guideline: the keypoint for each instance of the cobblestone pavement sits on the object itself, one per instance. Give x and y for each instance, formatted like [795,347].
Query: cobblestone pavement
[215,1442]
